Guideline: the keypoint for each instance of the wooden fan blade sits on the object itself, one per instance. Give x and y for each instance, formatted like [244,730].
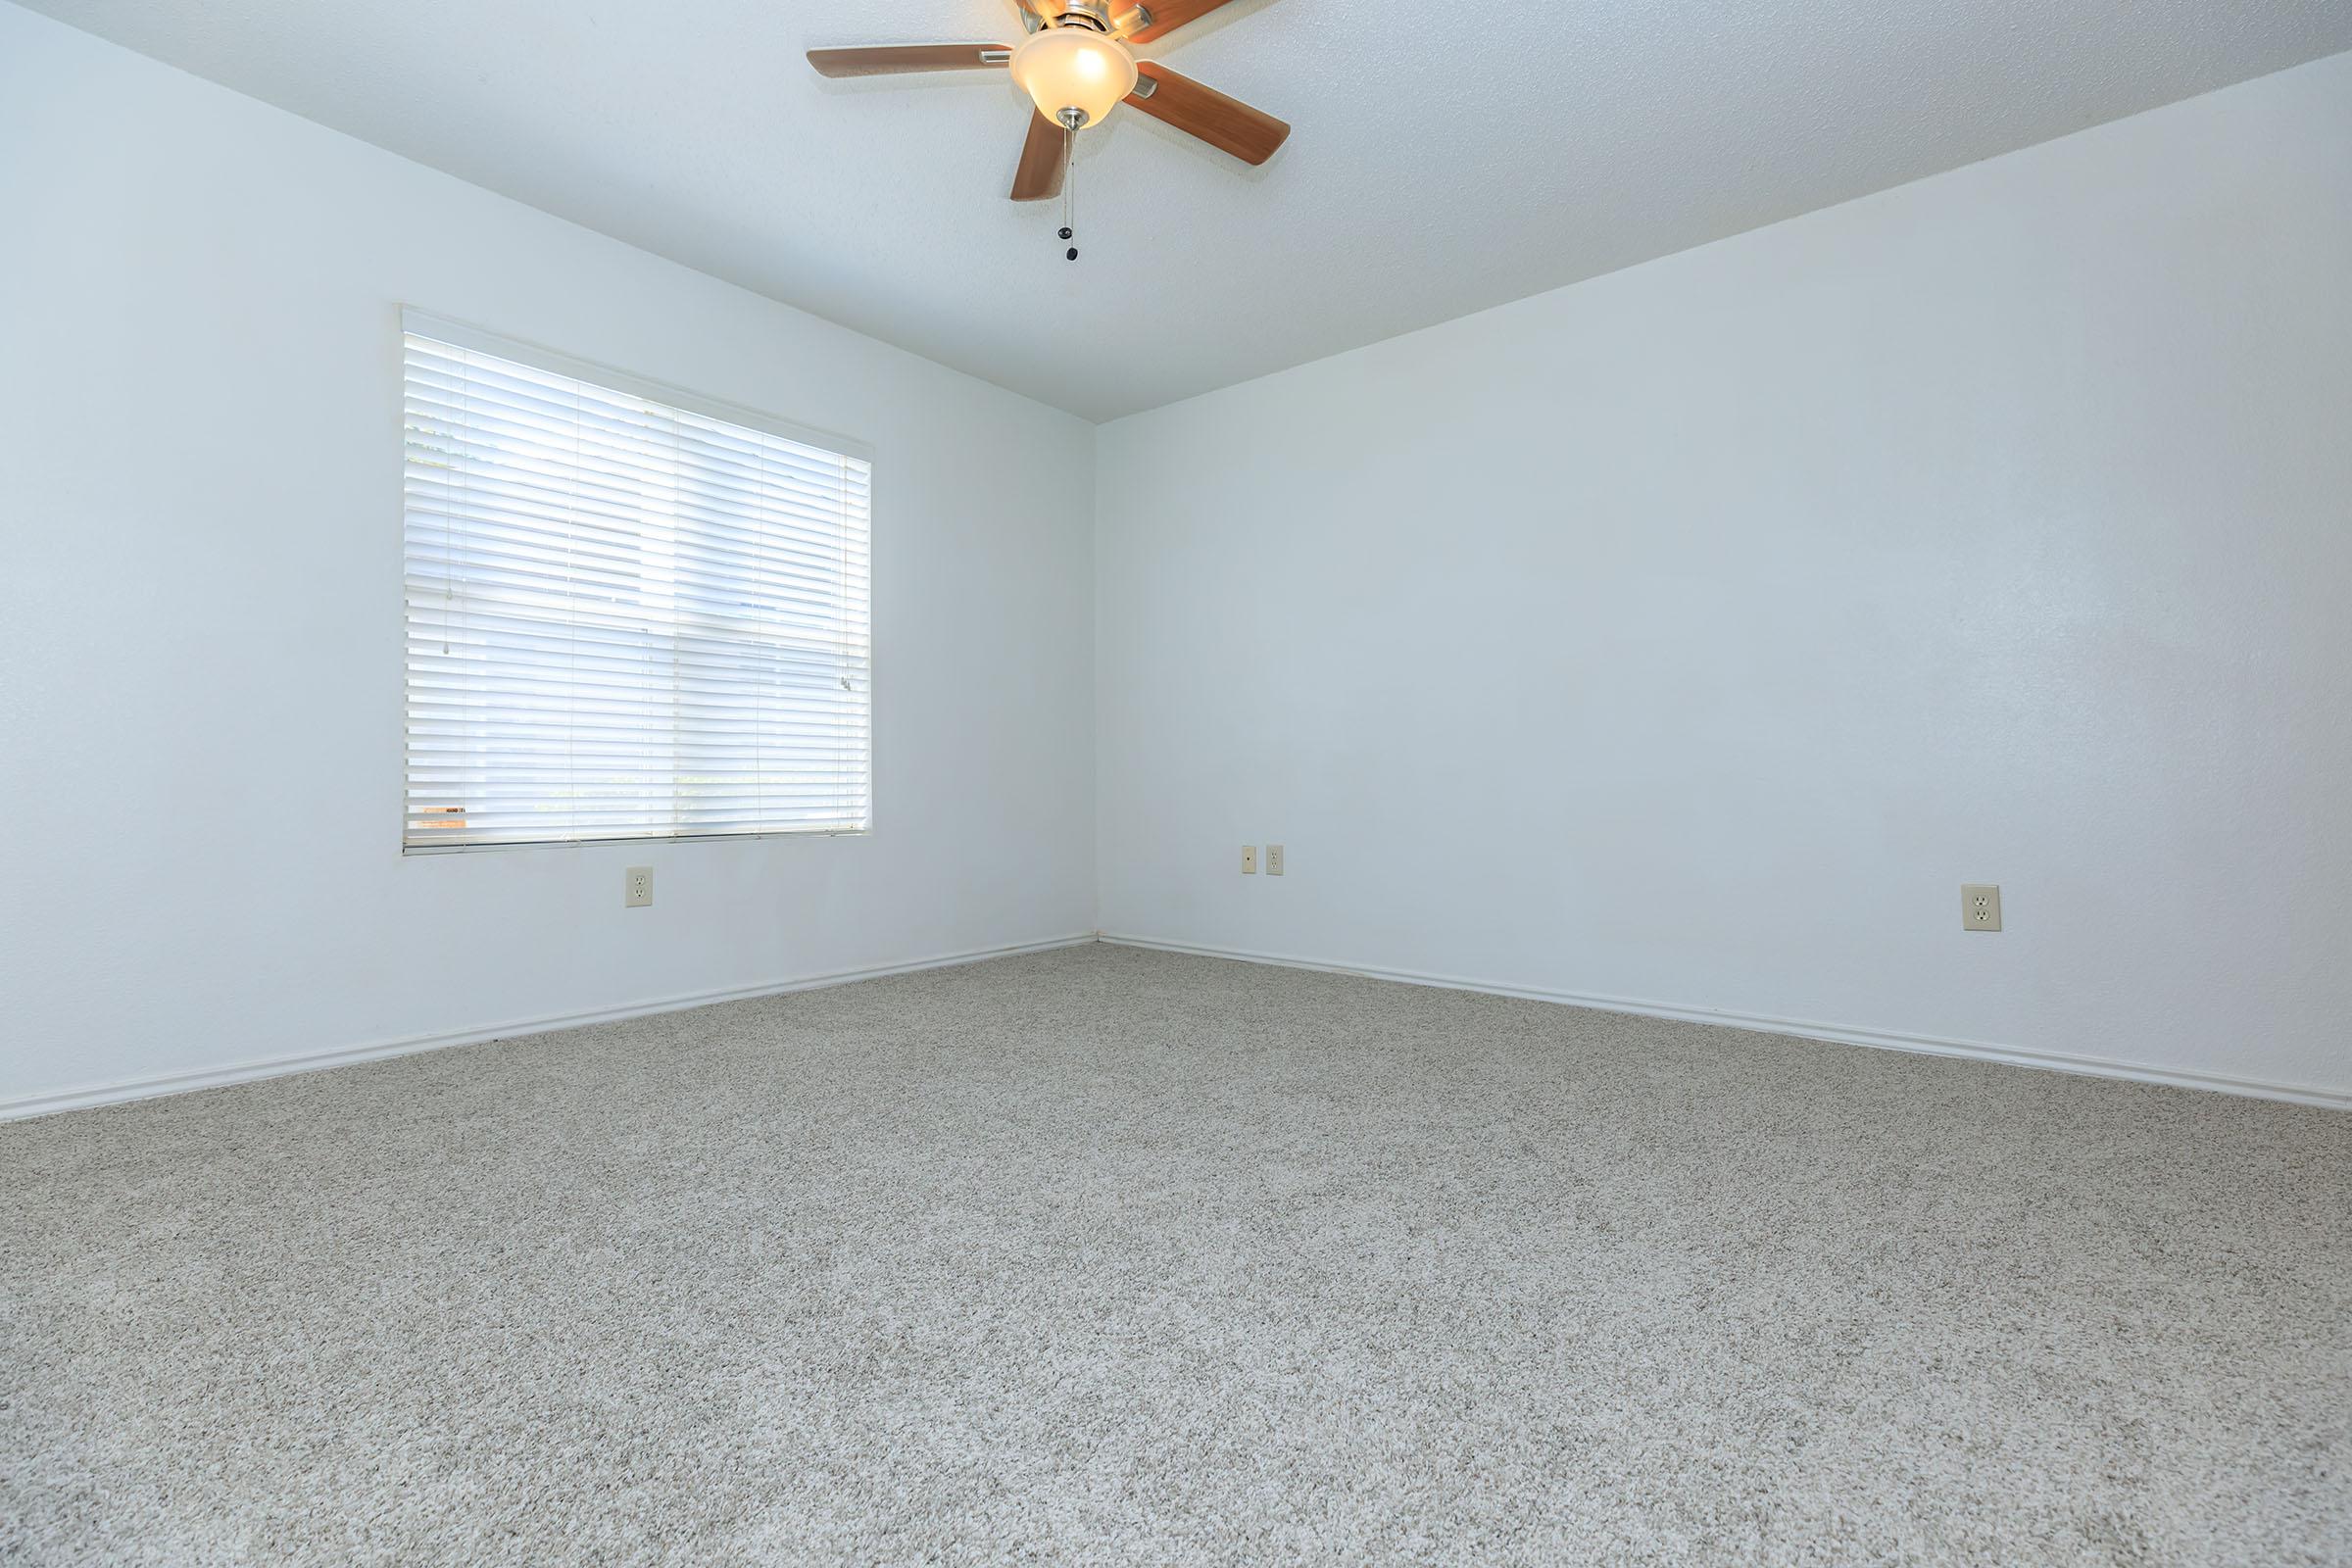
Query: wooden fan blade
[1167,16]
[1040,173]
[1226,124]
[888,60]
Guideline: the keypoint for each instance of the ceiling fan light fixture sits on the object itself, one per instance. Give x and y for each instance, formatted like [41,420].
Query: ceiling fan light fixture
[1074,69]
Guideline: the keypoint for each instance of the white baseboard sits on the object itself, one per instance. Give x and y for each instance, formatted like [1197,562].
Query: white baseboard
[179,1083]
[1876,1039]
[125,1089]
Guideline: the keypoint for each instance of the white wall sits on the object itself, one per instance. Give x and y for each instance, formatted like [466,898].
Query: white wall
[1689,635]
[199,753]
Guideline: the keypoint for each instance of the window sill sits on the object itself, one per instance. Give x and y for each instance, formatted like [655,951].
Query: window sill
[645,838]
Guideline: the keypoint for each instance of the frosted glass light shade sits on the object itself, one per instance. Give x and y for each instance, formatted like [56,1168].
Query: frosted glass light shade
[1072,67]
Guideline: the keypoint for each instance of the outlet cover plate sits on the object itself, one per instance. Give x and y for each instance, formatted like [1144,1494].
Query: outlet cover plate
[1273,859]
[1980,907]
[637,892]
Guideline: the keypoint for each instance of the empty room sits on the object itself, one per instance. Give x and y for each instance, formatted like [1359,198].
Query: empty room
[1187,782]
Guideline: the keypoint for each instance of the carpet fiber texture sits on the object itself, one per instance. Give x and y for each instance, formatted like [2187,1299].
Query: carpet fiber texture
[1108,1255]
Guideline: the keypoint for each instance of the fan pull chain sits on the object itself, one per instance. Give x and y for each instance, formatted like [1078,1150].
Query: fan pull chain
[1069,187]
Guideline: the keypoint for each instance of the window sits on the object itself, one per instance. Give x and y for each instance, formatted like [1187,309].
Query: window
[629,616]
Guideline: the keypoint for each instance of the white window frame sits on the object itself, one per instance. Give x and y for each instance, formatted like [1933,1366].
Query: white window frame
[464,335]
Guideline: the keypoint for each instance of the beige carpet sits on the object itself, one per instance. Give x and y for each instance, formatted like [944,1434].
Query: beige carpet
[1113,1257]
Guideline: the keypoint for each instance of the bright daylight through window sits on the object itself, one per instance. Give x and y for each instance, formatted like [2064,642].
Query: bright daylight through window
[627,618]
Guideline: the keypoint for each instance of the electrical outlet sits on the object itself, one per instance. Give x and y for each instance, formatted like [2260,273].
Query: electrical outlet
[1273,859]
[1249,859]
[638,891]
[1980,907]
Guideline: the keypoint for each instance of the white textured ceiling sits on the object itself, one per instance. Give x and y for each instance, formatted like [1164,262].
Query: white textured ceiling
[1443,160]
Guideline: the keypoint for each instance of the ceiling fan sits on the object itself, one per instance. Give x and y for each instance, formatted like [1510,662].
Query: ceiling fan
[1077,64]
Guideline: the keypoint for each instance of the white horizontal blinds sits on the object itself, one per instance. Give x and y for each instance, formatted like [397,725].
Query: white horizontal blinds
[626,620]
